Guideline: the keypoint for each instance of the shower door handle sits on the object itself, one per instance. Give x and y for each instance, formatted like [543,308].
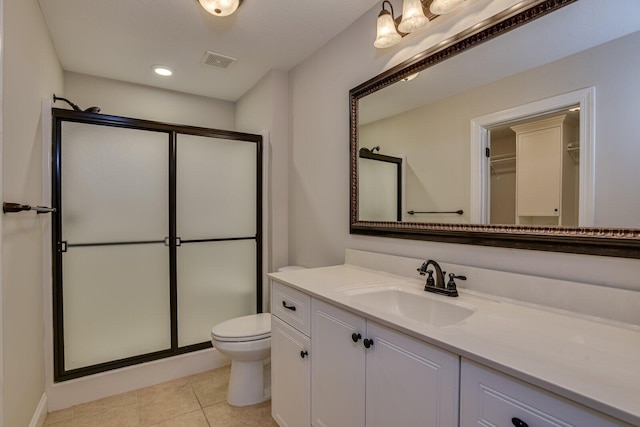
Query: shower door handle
[167,241]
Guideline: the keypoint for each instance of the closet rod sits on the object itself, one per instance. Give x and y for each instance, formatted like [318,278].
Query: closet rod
[459,212]
[8,207]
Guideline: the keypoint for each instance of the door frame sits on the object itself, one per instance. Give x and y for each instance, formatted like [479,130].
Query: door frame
[480,166]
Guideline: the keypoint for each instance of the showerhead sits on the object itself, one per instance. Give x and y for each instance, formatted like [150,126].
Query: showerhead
[94,110]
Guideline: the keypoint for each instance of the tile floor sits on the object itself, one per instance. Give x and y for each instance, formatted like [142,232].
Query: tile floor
[195,401]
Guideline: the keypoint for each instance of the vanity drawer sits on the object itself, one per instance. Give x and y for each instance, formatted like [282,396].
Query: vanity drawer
[490,398]
[292,306]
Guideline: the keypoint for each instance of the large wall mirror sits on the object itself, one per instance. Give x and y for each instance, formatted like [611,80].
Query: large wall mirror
[522,132]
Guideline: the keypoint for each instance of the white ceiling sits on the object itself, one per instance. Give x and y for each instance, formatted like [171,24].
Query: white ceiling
[122,39]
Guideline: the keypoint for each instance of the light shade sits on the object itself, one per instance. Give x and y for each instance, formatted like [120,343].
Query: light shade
[440,7]
[413,17]
[387,35]
[220,7]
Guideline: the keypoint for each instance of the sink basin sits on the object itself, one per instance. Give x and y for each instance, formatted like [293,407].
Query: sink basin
[410,304]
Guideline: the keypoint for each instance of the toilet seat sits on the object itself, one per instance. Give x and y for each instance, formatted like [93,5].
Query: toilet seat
[246,328]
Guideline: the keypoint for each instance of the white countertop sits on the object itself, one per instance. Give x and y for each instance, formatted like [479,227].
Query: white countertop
[595,363]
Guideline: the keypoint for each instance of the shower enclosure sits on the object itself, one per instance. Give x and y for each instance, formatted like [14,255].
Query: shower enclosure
[157,237]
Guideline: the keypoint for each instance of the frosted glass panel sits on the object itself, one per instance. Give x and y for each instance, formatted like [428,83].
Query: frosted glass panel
[114,184]
[377,190]
[116,302]
[216,188]
[216,282]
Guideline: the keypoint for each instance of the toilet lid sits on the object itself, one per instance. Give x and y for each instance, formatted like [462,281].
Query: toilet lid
[245,328]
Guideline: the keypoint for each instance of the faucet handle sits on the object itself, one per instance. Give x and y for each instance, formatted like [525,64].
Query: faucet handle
[452,283]
[423,268]
[430,280]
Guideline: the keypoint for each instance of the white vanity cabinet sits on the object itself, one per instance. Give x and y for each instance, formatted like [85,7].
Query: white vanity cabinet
[365,374]
[490,398]
[290,356]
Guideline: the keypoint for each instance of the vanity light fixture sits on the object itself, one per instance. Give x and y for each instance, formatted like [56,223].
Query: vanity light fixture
[162,70]
[220,7]
[390,29]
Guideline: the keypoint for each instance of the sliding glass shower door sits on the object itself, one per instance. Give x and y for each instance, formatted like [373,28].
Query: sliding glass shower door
[114,217]
[156,238]
[216,225]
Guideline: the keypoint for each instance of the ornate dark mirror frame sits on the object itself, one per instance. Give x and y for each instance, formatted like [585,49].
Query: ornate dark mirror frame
[617,242]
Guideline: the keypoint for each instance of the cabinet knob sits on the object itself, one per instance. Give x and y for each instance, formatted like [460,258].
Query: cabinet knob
[304,353]
[355,337]
[367,342]
[289,307]
[517,422]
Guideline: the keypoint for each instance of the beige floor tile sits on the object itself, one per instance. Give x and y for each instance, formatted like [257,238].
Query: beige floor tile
[258,415]
[211,391]
[223,415]
[172,404]
[211,386]
[59,416]
[192,419]
[165,404]
[67,423]
[127,416]
[106,404]
[145,393]
[212,375]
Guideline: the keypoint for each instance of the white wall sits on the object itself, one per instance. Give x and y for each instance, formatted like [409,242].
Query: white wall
[264,108]
[319,175]
[31,72]
[144,102]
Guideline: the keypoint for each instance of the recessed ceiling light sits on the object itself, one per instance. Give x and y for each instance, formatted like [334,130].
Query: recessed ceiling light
[162,70]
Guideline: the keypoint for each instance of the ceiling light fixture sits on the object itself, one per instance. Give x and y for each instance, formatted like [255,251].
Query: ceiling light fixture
[162,70]
[220,7]
[415,16]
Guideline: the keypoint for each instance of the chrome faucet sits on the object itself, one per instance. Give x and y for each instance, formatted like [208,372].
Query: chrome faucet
[437,285]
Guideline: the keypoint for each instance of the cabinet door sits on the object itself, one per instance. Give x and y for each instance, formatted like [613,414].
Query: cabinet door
[539,172]
[338,368]
[409,382]
[290,375]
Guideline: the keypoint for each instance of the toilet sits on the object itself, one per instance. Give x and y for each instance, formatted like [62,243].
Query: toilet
[246,341]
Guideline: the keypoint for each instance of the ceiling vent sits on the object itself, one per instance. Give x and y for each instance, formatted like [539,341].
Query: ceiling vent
[217,60]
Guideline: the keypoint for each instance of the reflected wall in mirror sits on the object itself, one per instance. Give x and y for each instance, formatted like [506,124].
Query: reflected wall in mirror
[501,174]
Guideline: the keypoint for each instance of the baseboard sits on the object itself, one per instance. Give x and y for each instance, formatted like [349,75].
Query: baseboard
[40,414]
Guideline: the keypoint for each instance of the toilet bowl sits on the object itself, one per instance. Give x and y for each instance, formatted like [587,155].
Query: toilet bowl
[246,341]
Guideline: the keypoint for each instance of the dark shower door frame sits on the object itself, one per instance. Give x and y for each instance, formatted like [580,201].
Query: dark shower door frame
[59,116]
[366,154]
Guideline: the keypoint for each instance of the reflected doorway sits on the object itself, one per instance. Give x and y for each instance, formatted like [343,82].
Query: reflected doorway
[484,149]
[534,170]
